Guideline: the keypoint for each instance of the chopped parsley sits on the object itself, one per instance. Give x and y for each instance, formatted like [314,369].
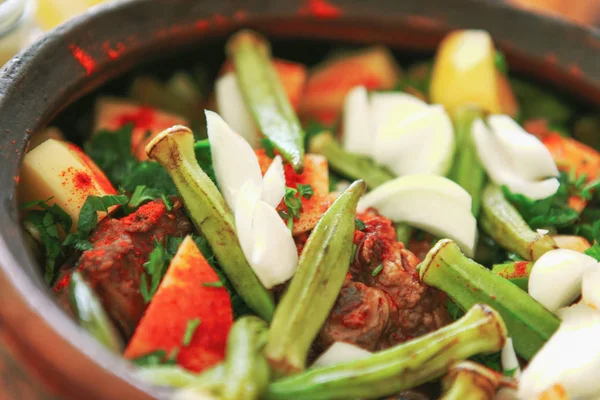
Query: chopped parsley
[152,359]
[293,204]
[155,267]
[500,62]
[353,253]
[360,225]
[167,201]
[143,194]
[305,191]
[88,216]
[217,284]
[268,146]
[190,329]
[377,270]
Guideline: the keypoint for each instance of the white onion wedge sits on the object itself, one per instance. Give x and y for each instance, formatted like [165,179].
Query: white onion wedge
[528,155]
[419,143]
[358,128]
[274,254]
[232,107]
[340,352]
[590,288]
[430,202]
[393,107]
[499,166]
[234,161]
[274,183]
[509,359]
[556,277]
[570,358]
[247,200]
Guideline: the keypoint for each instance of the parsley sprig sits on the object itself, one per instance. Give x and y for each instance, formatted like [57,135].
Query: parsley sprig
[293,204]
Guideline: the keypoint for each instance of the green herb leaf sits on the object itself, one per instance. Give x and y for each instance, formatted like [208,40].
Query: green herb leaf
[360,225]
[142,194]
[88,216]
[167,201]
[204,158]
[500,62]
[217,284]
[152,359]
[156,267]
[305,191]
[190,329]
[594,251]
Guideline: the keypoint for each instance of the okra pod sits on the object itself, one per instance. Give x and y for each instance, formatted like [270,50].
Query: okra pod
[467,170]
[470,381]
[501,220]
[314,288]
[468,283]
[351,165]
[246,368]
[401,367]
[516,272]
[265,96]
[90,315]
[174,150]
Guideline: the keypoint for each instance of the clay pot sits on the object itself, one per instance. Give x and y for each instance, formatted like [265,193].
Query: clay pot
[43,354]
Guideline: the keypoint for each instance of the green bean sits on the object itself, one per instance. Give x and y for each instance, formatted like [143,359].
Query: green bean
[351,165]
[314,289]
[516,272]
[246,368]
[504,224]
[90,315]
[468,283]
[467,170]
[470,381]
[265,96]
[174,150]
[401,367]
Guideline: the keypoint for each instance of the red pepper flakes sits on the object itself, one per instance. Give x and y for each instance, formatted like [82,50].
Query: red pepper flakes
[97,175]
[83,58]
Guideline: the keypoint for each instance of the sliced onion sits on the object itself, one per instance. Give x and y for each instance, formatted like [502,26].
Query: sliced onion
[432,203]
[340,352]
[274,254]
[274,183]
[498,165]
[509,358]
[358,128]
[556,277]
[528,155]
[570,358]
[232,107]
[193,394]
[245,208]
[393,107]
[234,161]
[590,288]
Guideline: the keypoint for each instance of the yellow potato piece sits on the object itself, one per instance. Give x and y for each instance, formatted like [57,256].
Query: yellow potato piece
[64,172]
[465,72]
[575,243]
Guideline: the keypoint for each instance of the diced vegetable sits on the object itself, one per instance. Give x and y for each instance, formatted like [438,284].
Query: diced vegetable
[465,73]
[329,83]
[340,352]
[501,221]
[516,272]
[210,214]
[112,114]
[183,297]
[480,330]
[354,166]
[576,243]
[246,369]
[313,290]
[467,170]
[265,96]
[63,173]
[570,154]
[468,283]
[315,174]
[556,277]
[432,203]
[90,314]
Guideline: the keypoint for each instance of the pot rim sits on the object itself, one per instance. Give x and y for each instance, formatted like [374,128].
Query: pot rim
[79,56]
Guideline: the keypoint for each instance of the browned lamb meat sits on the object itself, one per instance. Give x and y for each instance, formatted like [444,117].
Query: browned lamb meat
[383,301]
[114,266]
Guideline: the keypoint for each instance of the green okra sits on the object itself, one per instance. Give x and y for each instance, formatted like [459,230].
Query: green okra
[401,367]
[90,315]
[467,170]
[315,286]
[468,283]
[516,272]
[348,164]
[177,377]
[467,380]
[246,368]
[265,96]
[501,220]
[174,150]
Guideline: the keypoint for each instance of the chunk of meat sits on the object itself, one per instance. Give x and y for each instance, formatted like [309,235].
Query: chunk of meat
[383,302]
[115,265]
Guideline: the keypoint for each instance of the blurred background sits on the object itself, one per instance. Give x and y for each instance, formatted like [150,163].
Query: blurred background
[23,21]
